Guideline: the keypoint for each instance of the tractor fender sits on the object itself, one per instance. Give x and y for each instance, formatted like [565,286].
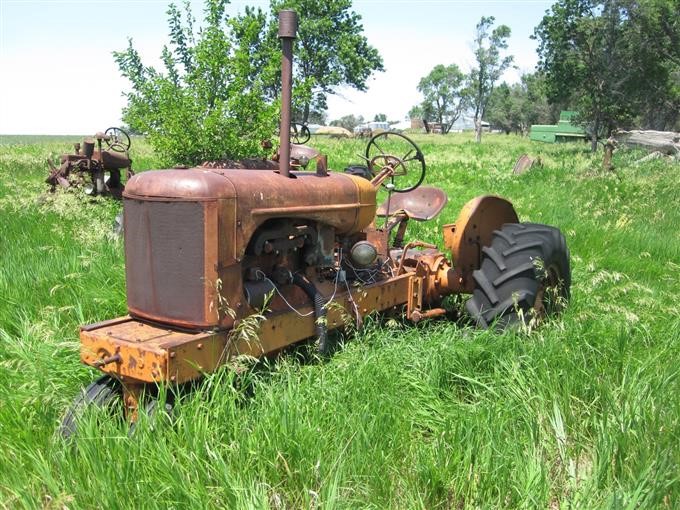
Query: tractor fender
[471,232]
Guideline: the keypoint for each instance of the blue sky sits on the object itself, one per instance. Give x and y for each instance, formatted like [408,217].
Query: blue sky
[58,75]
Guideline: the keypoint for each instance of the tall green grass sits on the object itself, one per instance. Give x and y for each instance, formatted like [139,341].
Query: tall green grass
[581,413]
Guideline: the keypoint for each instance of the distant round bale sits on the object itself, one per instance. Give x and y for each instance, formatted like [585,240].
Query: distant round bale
[334,131]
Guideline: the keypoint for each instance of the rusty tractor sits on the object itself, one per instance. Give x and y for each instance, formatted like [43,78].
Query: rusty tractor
[297,254]
[98,169]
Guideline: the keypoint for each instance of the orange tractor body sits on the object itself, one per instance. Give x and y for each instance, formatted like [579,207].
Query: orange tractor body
[215,254]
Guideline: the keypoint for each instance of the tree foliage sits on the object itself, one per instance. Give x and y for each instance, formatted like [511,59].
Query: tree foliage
[216,95]
[514,108]
[416,112]
[330,51]
[613,60]
[348,122]
[490,64]
[584,56]
[443,96]
[504,107]
[655,32]
[206,102]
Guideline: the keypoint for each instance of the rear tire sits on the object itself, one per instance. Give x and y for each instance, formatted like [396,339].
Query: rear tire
[524,277]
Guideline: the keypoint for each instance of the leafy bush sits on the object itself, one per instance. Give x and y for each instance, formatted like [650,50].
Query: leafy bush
[207,102]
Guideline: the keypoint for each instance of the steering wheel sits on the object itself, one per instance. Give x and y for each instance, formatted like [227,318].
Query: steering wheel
[299,133]
[117,139]
[401,154]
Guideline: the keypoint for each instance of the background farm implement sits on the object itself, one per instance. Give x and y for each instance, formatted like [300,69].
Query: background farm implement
[96,164]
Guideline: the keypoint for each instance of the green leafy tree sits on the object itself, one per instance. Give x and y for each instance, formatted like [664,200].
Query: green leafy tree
[348,122]
[416,112]
[443,96]
[538,109]
[380,117]
[655,36]
[206,101]
[489,66]
[612,60]
[330,51]
[514,108]
[502,108]
[317,117]
[583,54]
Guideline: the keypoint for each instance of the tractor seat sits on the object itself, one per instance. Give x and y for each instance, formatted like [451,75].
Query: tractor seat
[303,151]
[115,160]
[422,204]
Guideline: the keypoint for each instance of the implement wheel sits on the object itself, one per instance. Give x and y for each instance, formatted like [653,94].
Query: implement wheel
[524,277]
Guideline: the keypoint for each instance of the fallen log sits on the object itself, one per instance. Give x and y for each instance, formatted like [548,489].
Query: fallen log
[666,142]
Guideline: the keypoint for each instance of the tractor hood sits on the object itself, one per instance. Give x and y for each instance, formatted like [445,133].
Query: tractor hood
[187,230]
[192,184]
[343,201]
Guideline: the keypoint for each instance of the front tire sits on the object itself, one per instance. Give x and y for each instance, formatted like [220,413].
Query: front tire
[524,277]
[105,392]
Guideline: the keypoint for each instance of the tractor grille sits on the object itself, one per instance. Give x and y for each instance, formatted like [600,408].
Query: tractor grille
[164,260]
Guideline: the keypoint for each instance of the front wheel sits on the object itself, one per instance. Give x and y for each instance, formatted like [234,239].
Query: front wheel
[106,393]
[524,276]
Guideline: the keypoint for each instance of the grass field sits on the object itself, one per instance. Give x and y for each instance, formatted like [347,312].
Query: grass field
[581,413]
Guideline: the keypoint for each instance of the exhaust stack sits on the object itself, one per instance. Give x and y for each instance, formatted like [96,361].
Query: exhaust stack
[287,31]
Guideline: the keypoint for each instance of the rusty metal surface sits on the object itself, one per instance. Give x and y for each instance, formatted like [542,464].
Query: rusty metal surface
[415,297]
[303,154]
[409,256]
[379,238]
[284,327]
[300,156]
[472,231]
[141,358]
[242,164]
[305,195]
[208,247]
[422,204]
[343,202]
[132,393]
[88,166]
[180,185]
[164,252]
[322,166]
[287,33]
[151,353]
[114,160]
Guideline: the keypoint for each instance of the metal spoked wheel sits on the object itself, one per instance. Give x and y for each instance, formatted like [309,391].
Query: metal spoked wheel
[117,140]
[299,133]
[400,153]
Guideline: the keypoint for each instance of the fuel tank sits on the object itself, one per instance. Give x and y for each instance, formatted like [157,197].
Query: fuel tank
[186,233]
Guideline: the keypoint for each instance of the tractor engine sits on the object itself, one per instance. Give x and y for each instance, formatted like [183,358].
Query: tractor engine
[204,247]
